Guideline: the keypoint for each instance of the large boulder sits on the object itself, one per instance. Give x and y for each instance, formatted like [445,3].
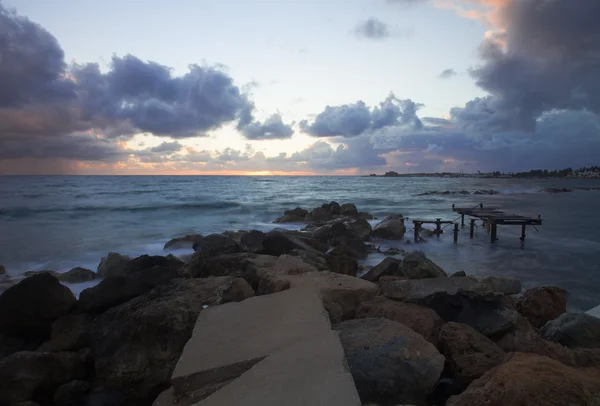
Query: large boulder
[216,244]
[417,289]
[417,266]
[340,234]
[289,264]
[573,330]
[115,290]
[187,241]
[388,267]
[293,216]
[276,243]
[361,227]
[319,214]
[507,286]
[137,344]
[527,379]
[69,333]
[112,265]
[2,269]
[542,304]
[392,227]
[28,308]
[312,257]
[348,209]
[252,241]
[77,275]
[145,262]
[421,319]
[389,362]
[339,260]
[36,375]
[468,353]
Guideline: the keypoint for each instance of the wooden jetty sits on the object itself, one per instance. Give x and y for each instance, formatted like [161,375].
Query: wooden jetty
[495,217]
[438,227]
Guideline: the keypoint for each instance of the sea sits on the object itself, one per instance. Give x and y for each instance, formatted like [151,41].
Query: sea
[60,222]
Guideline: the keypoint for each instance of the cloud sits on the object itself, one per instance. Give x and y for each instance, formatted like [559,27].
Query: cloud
[167,147]
[373,29]
[271,129]
[351,120]
[447,74]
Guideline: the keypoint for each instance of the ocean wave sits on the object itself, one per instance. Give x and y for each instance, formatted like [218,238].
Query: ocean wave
[507,191]
[461,192]
[22,212]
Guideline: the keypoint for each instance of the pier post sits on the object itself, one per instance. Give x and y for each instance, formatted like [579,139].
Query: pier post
[494,234]
[462,220]
[417,227]
[438,227]
[523,227]
[455,233]
[472,228]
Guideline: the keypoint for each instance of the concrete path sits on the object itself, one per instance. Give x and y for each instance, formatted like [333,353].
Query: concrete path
[275,349]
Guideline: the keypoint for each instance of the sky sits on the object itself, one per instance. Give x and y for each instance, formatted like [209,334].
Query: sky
[298,87]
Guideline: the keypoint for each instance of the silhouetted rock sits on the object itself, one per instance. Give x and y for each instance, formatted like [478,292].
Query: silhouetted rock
[71,393]
[253,241]
[389,266]
[340,260]
[69,333]
[187,241]
[459,273]
[348,209]
[340,234]
[216,244]
[243,265]
[77,275]
[573,330]
[28,308]
[112,265]
[417,266]
[392,227]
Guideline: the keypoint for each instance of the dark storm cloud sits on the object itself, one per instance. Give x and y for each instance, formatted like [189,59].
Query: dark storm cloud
[357,153]
[351,120]
[447,74]
[372,29]
[167,147]
[547,58]
[271,129]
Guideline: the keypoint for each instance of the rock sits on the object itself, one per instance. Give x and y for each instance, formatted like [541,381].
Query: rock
[187,241]
[32,273]
[361,227]
[112,265]
[276,243]
[77,275]
[426,233]
[137,344]
[10,345]
[71,393]
[252,241]
[416,289]
[36,375]
[69,333]
[527,379]
[420,319]
[145,262]
[293,216]
[28,308]
[298,212]
[507,286]
[348,209]
[595,311]
[573,330]
[115,290]
[312,257]
[459,273]
[387,267]
[318,214]
[366,216]
[251,267]
[339,260]
[392,227]
[340,234]
[291,265]
[334,208]
[417,266]
[216,244]
[542,304]
[468,353]
[26,403]
[2,269]
[390,363]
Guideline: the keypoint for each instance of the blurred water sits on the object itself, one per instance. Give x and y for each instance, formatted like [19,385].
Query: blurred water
[60,222]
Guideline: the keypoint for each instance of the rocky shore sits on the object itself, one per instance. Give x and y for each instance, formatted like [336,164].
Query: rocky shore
[411,332]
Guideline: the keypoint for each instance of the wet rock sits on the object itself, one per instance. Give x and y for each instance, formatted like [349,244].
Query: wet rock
[77,275]
[507,286]
[298,212]
[216,244]
[292,265]
[36,375]
[252,241]
[468,353]
[392,227]
[334,208]
[527,379]
[312,257]
[542,304]
[71,393]
[417,289]
[319,214]
[339,234]
[361,227]
[339,260]
[112,265]
[2,269]
[421,319]
[387,267]
[187,241]
[69,333]
[389,362]
[145,262]
[46,271]
[115,290]
[573,330]
[348,209]
[276,243]
[28,308]
[366,216]
[417,266]
[459,273]
[137,344]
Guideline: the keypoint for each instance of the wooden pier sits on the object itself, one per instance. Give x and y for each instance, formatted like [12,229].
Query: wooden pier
[438,227]
[494,217]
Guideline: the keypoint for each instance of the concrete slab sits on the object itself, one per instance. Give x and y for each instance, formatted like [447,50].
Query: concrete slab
[229,339]
[307,373]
